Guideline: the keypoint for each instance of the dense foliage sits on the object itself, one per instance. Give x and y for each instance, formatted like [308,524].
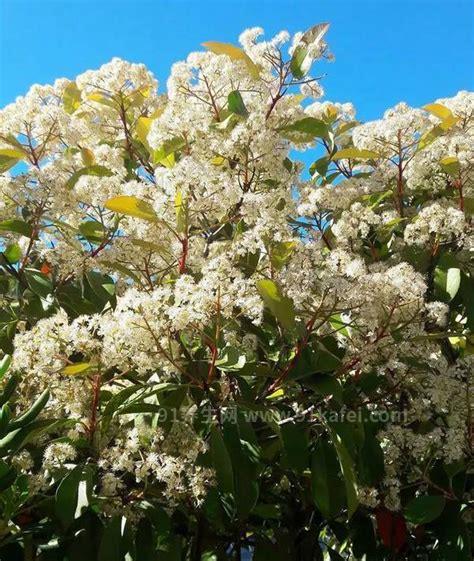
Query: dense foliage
[211,350]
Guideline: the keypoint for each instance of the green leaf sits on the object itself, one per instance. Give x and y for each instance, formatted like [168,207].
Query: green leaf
[328,355]
[67,495]
[145,541]
[5,365]
[102,285]
[301,61]
[8,475]
[281,306]
[9,388]
[138,96]
[355,154]
[12,253]
[244,457]
[131,206]
[469,206]
[230,359]
[295,445]
[320,166]
[92,230]
[424,509]
[326,385]
[305,130]
[447,278]
[453,534]
[39,283]
[17,226]
[31,414]
[371,458]
[236,104]
[71,97]
[325,483]
[96,171]
[116,401]
[453,281]
[209,556]
[347,467]
[221,461]
[111,544]
[235,54]
[339,325]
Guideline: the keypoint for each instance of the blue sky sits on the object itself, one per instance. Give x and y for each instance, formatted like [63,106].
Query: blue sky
[386,50]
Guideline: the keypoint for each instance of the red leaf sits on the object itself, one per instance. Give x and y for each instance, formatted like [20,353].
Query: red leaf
[392,529]
[45,268]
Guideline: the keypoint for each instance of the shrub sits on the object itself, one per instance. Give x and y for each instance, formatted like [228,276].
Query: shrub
[216,351]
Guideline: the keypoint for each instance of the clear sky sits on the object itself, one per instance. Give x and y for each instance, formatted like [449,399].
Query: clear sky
[386,50]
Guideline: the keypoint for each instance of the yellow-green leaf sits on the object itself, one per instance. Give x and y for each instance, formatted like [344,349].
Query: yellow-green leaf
[443,113]
[277,393]
[76,369]
[12,153]
[136,98]
[180,209]
[102,98]
[165,154]
[331,112]
[280,306]
[87,157]
[430,136]
[131,206]
[142,129]
[218,161]
[280,252]
[71,97]
[451,165]
[9,157]
[234,53]
[439,110]
[355,154]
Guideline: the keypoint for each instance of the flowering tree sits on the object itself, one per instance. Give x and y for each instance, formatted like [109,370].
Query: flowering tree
[210,350]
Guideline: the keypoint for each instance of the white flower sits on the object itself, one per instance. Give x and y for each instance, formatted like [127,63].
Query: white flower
[57,454]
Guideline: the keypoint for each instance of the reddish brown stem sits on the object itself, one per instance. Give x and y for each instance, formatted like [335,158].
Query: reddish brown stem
[301,345]
[458,185]
[212,366]
[184,256]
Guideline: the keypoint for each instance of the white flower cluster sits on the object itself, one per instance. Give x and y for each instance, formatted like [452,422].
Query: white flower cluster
[436,223]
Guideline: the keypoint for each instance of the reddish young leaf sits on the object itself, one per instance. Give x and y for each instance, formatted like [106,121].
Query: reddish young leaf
[392,529]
